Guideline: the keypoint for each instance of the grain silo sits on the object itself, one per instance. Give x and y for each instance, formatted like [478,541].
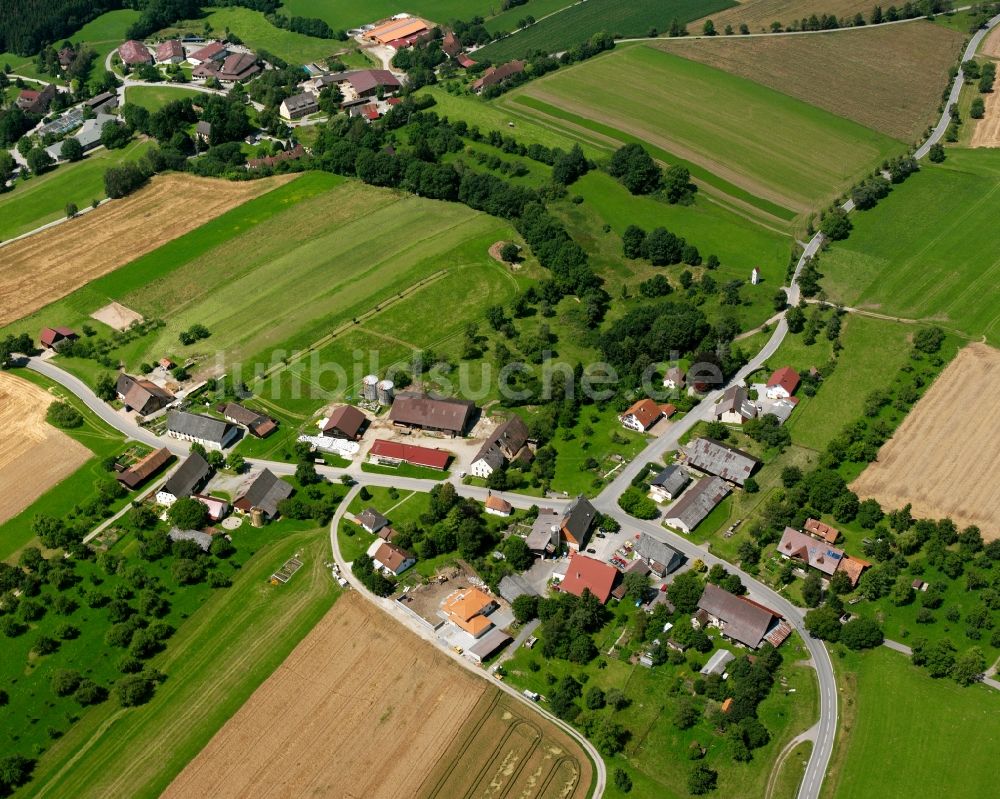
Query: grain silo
[369,389]
[384,392]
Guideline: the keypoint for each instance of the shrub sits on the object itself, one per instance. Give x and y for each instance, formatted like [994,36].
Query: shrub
[64,415]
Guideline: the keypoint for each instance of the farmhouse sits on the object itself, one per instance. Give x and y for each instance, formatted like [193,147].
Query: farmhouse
[204,540]
[52,338]
[393,453]
[641,416]
[782,384]
[742,620]
[142,396]
[238,67]
[660,556]
[143,470]
[391,558]
[509,442]
[468,608]
[696,503]
[585,573]
[36,102]
[258,424]
[450,45]
[674,378]
[293,154]
[807,550]
[356,84]
[214,51]
[371,520]
[853,568]
[669,483]
[345,422]
[712,457]
[298,106]
[494,75]
[169,52]
[424,412]
[544,535]
[261,494]
[189,477]
[822,531]
[395,31]
[133,53]
[211,433]
[576,523]
[66,56]
[497,506]
[734,406]
[217,508]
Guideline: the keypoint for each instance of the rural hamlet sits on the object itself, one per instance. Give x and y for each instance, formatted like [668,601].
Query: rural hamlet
[535,398]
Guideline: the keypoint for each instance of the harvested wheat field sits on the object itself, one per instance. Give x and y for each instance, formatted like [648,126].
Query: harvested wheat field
[51,264]
[363,708]
[887,78]
[945,457]
[987,130]
[34,456]
[991,47]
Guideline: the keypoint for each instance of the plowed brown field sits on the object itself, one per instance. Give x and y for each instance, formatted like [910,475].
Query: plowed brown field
[364,708]
[51,264]
[945,457]
[34,456]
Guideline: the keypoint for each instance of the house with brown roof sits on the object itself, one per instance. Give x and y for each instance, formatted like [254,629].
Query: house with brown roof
[782,383]
[741,619]
[34,101]
[423,412]
[674,378]
[508,443]
[468,609]
[495,75]
[583,573]
[133,53]
[213,51]
[497,506]
[391,558]
[66,57]
[147,467]
[261,493]
[238,67]
[52,338]
[345,422]
[822,531]
[169,52]
[395,30]
[141,395]
[853,567]
[805,549]
[356,84]
[257,424]
[450,45]
[641,416]
[292,154]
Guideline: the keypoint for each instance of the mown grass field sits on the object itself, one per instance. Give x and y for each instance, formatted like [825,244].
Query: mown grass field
[43,199]
[911,735]
[887,78]
[137,752]
[928,250]
[577,23]
[153,98]
[722,123]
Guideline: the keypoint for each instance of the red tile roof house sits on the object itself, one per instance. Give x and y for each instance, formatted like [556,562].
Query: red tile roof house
[52,337]
[169,52]
[641,416]
[36,102]
[133,53]
[216,51]
[586,573]
[270,160]
[782,383]
[495,75]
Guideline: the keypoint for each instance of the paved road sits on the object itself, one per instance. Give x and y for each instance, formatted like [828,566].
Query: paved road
[407,620]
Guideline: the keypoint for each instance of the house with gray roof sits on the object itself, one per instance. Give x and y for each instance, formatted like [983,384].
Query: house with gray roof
[576,523]
[208,431]
[669,483]
[696,503]
[713,457]
[188,478]
[718,662]
[734,406]
[262,492]
[509,442]
[514,585]
[371,520]
[661,557]
[739,619]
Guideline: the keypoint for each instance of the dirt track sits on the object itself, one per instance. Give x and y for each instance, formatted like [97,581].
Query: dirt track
[51,264]
[945,457]
[34,456]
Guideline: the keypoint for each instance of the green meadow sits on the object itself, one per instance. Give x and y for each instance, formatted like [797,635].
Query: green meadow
[40,200]
[153,98]
[722,123]
[928,251]
[912,735]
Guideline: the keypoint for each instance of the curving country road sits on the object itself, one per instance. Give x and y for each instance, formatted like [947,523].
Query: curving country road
[822,734]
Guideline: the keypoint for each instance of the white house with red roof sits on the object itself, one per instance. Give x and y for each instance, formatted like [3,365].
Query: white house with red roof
[782,383]
[133,53]
[641,416]
[586,573]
